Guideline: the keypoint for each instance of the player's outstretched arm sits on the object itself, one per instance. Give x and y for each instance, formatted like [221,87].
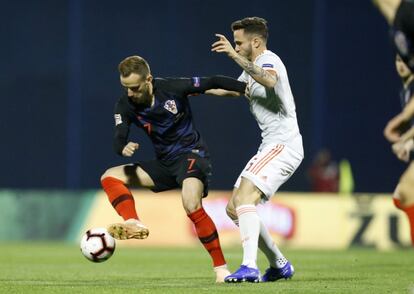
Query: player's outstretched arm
[392,129]
[220,85]
[407,136]
[222,93]
[266,78]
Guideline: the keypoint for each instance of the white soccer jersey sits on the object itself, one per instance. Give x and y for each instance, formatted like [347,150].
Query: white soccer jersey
[274,109]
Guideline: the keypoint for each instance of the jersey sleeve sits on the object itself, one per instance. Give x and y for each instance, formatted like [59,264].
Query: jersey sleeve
[121,130]
[198,85]
[411,90]
[269,63]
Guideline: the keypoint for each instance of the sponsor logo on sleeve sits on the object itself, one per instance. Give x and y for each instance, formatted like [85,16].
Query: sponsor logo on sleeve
[118,119]
[267,65]
[195,81]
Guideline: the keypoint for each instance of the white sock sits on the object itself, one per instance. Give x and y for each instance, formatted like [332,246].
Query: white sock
[249,224]
[269,248]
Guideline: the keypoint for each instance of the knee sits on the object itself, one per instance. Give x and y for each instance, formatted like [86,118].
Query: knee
[191,205]
[106,174]
[408,177]
[405,189]
[246,194]
[241,198]
[192,193]
[231,211]
[112,172]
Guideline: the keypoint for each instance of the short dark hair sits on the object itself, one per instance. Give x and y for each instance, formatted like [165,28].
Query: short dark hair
[134,64]
[252,25]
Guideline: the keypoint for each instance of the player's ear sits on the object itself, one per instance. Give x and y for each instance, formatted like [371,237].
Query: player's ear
[149,79]
[256,42]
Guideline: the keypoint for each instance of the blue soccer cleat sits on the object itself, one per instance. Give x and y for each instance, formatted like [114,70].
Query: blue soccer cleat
[273,274]
[244,274]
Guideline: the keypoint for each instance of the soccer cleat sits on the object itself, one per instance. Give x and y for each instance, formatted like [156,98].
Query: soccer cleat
[221,273]
[130,229]
[244,274]
[273,274]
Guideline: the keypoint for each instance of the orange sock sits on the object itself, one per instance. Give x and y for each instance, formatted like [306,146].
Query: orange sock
[207,233]
[120,197]
[410,213]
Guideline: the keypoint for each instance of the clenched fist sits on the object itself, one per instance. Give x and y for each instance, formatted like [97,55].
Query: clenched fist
[130,149]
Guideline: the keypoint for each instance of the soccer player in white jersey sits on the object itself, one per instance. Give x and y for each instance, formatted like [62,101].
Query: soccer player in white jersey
[279,154]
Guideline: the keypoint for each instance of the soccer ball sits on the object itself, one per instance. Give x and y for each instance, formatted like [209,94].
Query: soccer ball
[97,245]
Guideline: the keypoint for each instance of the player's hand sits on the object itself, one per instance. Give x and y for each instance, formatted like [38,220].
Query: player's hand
[402,150]
[223,46]
[130,149]
[391,131]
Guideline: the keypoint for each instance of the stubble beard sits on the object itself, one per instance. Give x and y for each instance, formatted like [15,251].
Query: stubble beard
[144,99]
[248,54]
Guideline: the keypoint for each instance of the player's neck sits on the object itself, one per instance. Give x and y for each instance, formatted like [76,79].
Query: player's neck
[152,95]
[146,101]
[257,53]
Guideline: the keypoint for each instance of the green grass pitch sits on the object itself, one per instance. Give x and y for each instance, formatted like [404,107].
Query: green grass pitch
[60,268]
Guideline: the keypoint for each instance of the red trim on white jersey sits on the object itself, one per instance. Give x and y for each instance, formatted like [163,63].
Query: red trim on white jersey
[267,158]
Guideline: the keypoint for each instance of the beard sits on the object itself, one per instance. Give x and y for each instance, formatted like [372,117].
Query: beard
[248,53]
[143,98]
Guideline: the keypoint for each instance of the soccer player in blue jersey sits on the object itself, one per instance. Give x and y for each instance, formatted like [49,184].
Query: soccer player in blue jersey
[400,16]
[403,143]
[160,107]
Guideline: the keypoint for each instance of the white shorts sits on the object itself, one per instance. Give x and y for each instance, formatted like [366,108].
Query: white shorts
[270,168]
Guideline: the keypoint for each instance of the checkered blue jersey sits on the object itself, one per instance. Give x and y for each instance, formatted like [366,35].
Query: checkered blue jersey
[169,121]
[406,94]
[402,32]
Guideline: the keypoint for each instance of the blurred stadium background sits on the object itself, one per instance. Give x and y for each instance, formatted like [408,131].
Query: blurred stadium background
[59,83]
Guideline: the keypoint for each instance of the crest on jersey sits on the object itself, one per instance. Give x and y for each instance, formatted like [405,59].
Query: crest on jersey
[171,106]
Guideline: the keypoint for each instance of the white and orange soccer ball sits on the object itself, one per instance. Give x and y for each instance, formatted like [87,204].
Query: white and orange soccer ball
[97,245]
